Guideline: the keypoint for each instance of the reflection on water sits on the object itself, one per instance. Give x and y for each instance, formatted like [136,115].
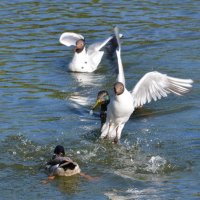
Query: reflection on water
[68,185]
[43,105]
[88,79]
[79,101]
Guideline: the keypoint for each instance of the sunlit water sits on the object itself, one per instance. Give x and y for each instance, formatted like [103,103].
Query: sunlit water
[43,105]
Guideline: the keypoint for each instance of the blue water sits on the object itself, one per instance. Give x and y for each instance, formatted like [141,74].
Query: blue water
[42,104]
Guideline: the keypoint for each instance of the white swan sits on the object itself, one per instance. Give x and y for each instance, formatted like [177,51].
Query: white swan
[152,85]
[84,60]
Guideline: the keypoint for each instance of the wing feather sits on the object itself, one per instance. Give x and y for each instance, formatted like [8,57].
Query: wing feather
[69,38]
[97,46]
[120,76]
[155,85]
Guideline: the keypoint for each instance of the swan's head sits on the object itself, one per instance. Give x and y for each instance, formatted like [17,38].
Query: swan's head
[118,88]
[80,44]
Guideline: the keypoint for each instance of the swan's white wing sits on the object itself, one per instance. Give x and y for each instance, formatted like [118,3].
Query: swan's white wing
[118,36]
[120,76]
[155,85]
[97,46]
[69,38]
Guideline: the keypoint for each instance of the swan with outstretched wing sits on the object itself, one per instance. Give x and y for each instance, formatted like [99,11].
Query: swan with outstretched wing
[151,86]
[84,59]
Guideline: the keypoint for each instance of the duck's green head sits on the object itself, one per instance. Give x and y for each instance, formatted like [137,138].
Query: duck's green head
[103,99]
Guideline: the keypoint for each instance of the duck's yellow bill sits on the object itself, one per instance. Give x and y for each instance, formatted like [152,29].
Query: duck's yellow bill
[96,104]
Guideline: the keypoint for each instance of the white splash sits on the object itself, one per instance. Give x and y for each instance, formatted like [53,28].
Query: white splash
[155,163]
[91,112]
[131,193]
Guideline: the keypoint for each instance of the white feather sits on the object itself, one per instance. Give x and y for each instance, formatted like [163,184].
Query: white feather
[155,85]
[69,38]
[97,46]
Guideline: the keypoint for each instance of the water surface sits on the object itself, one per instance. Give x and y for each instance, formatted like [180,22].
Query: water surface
[42,104]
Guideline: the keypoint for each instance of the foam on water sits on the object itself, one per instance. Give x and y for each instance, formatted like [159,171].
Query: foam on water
[131,193]
[156,164]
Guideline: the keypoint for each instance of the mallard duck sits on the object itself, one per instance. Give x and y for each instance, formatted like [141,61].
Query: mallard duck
[103,99]
[151,86]
[60,165]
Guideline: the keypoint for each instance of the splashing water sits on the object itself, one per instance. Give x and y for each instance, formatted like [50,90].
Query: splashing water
[91,112]
[155,164]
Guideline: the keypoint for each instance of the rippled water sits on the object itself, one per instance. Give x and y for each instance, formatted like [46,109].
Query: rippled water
[43,105]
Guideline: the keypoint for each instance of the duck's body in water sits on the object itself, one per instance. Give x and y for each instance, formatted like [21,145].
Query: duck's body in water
[59,165]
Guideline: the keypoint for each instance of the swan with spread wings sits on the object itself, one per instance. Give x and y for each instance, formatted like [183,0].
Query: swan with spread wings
[85,59]
[152,86]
